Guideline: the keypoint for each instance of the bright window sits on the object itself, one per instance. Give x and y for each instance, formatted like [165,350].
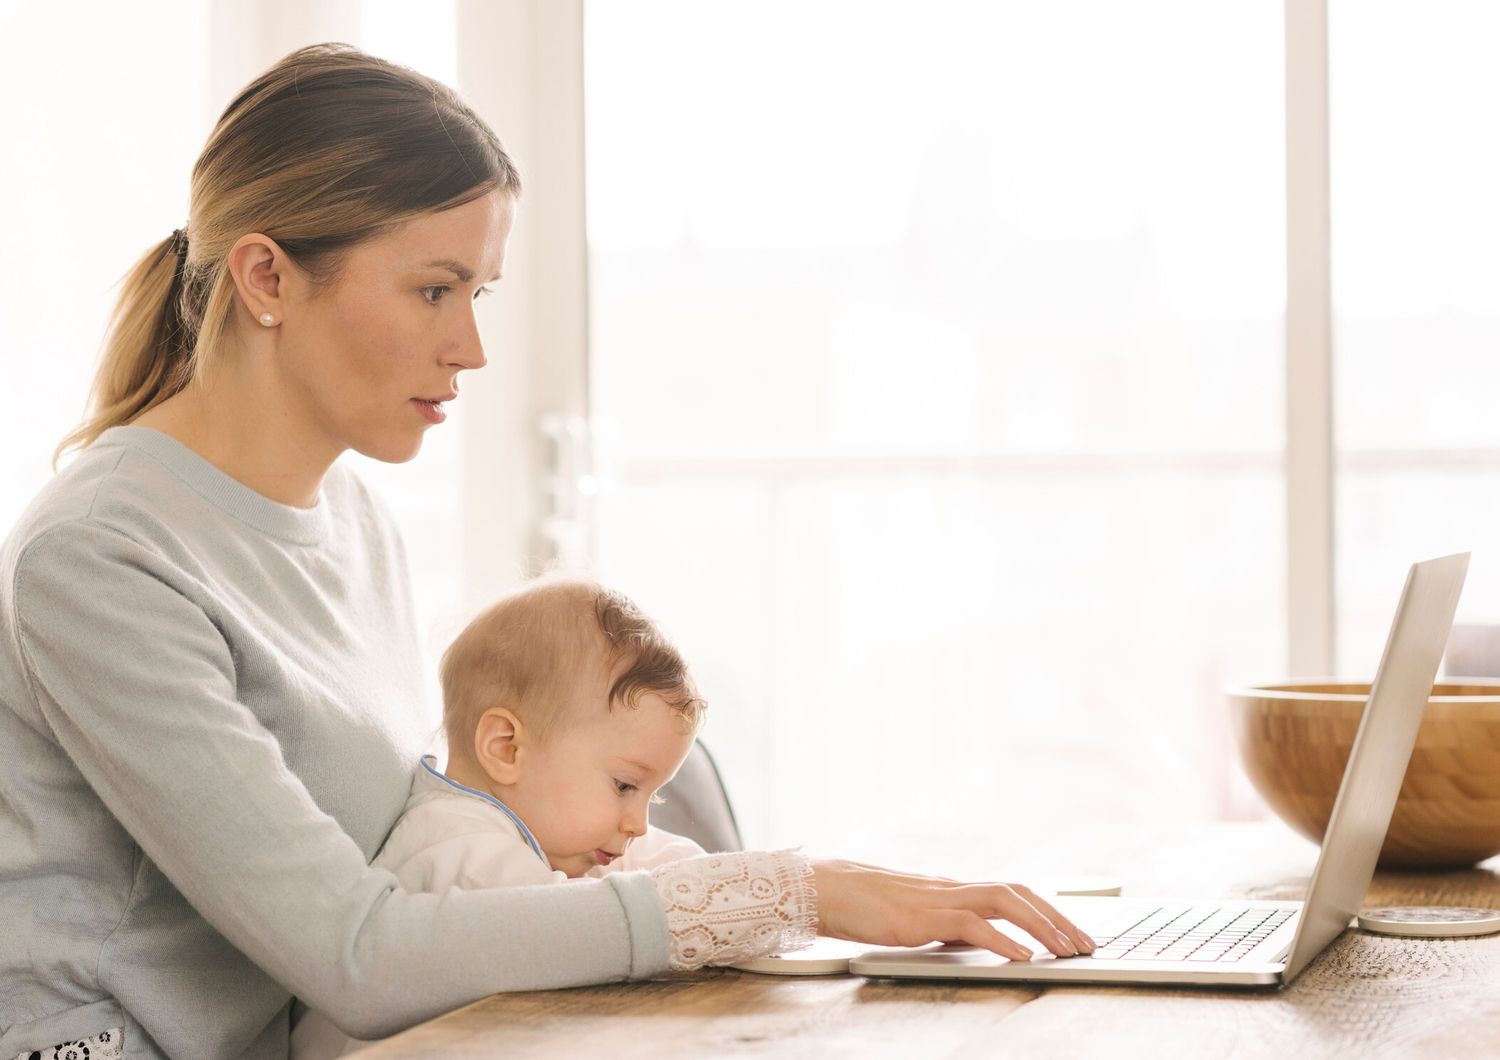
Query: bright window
[1416,221]
[90,186]
[937,359]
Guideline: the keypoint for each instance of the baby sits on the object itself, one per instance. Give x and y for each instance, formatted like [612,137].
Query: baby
[565,710]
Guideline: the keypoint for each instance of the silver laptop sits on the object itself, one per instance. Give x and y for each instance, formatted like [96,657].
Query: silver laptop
[1235,942]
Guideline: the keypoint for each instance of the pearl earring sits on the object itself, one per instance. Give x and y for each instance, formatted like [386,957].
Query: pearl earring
[267,319]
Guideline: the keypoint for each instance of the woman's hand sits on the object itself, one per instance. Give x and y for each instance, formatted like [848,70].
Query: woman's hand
[864,903]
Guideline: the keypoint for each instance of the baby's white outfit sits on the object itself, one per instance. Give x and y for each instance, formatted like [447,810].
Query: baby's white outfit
[449,835]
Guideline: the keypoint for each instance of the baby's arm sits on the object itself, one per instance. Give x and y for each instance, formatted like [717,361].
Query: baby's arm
[656,847]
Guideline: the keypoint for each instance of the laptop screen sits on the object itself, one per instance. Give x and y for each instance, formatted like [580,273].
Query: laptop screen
[1382,748]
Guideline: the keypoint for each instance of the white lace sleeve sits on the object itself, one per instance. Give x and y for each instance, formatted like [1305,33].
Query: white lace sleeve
[730,907]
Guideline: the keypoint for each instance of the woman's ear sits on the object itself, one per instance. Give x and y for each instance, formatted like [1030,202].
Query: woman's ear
[499,740]
[257,266]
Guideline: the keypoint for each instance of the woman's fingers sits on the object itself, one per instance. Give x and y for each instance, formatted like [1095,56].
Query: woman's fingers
[1031,913]
[1020,912]
[1026,909]
[1062,923]
[973,929]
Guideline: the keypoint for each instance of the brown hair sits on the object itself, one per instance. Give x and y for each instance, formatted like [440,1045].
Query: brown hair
[326,149]
[540,647]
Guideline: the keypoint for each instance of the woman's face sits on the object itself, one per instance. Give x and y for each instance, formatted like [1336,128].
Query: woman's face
[369,360]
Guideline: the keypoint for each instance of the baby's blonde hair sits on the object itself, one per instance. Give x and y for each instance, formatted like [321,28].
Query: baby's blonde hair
[541,648]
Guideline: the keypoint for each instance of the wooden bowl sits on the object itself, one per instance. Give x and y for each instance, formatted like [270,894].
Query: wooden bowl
[1295,740]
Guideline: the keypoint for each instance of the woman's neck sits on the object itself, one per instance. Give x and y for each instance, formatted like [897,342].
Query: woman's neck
[256,442]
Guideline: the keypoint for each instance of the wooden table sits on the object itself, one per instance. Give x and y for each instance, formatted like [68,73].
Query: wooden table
[1364,996]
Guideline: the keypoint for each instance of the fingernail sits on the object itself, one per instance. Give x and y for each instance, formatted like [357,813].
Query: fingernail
[1026,954]
[1090,942]
[1067,944]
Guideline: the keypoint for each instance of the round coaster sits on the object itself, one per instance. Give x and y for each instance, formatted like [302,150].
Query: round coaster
[824,957]
[1430,921]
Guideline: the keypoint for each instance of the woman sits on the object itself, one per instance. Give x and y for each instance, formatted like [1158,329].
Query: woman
[211,689]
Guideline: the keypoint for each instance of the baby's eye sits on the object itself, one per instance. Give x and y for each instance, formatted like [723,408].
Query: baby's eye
[624,787]
[480,291]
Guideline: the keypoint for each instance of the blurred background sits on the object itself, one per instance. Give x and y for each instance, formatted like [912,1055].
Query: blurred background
[924,368]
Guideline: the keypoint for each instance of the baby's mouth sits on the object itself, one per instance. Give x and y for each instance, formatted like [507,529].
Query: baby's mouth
[604,857]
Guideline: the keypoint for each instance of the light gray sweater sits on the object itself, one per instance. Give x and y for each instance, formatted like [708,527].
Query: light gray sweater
[211,707]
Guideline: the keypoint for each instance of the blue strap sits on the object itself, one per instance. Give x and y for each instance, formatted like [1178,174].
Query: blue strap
[427,761]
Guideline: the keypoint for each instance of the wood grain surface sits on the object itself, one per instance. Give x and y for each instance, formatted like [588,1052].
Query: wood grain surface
[1365,996]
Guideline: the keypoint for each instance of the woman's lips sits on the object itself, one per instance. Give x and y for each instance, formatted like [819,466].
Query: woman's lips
[432,411]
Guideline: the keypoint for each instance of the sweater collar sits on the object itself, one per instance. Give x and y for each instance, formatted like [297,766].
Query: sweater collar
[305,526]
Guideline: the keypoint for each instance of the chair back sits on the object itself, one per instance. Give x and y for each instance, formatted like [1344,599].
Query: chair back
[697,806]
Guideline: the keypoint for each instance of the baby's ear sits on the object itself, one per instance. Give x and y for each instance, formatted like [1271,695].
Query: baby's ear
[497,745]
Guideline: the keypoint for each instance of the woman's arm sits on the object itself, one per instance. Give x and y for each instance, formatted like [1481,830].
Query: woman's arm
[725,908]
[138,686]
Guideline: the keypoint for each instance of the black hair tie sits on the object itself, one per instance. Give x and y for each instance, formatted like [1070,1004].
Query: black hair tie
[178,247]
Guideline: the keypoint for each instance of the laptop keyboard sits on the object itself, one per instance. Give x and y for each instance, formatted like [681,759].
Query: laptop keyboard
[1191,933]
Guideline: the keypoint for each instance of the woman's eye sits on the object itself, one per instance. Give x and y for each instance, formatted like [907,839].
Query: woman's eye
[623,787]
[434,293]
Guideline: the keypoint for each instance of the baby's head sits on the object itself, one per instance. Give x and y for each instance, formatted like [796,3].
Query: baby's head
[566,703]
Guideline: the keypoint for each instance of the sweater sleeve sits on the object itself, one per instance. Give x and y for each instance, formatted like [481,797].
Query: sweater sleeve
[137,684]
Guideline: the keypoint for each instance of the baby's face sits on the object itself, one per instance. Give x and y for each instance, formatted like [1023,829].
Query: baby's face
[585,791]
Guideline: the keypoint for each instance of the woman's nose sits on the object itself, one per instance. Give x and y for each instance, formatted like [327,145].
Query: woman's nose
[468,352]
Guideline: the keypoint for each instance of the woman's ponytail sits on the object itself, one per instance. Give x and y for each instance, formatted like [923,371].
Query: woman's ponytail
[148,349]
